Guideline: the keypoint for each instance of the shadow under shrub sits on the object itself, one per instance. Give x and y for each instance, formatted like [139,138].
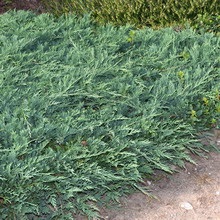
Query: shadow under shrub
[87,111]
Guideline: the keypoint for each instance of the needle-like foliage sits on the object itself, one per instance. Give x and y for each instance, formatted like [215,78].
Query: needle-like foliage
[87,111]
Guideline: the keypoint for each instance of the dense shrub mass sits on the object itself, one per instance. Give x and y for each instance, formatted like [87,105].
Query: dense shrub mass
[141,13]
[87,111]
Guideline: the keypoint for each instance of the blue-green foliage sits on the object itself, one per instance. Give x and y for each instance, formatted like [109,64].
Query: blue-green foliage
[87,111]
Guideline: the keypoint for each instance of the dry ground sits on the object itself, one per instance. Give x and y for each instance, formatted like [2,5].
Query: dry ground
[191,194]
[33,5]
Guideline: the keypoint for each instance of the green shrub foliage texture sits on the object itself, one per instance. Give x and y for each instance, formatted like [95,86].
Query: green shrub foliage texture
[142,13]
[87,111]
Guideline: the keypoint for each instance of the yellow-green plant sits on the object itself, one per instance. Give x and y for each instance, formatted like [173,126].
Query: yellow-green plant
[206,111]
[141,13]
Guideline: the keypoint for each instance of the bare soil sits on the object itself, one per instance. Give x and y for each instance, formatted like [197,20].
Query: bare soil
[33,5]
[192,193]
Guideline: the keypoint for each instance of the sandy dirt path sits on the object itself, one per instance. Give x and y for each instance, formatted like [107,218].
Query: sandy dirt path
[191,194]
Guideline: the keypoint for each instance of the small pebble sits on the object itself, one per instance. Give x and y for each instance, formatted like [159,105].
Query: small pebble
[148,182]
[186,205]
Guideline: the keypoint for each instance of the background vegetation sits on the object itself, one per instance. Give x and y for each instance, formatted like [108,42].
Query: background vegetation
[141,13]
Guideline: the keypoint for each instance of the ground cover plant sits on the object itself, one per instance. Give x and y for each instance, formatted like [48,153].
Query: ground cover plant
[87,111]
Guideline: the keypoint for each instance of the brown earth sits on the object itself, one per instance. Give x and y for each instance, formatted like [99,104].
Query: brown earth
[192,193]
[189,194]
[33,5]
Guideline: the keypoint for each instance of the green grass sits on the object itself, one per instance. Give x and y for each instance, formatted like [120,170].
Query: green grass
[87,111]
